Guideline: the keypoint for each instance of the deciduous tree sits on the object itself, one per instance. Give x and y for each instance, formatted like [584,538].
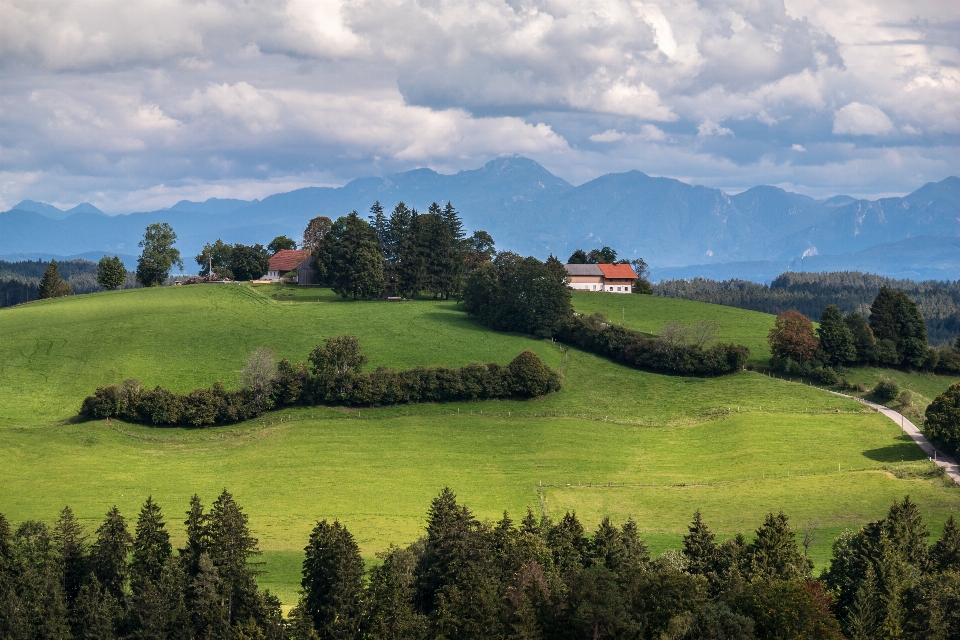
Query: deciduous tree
[111,272]
[943,417]
[280,243]
[158,255]
[792,336]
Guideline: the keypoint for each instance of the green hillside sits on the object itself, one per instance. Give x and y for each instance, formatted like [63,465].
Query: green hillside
[614,441]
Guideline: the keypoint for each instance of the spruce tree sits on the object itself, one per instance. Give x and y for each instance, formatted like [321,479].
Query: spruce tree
[198,537]
[356,265]
[946,550]
[836,339]
[51,284]
[231,547]
[389,613]
[906,530]
[895,317]
[568,544]
[863,341]
[606,548]
[209,613]
[449,535]
[108,557]
[333,581]
[774,554]
[157,610]
[69,542]
[700,548]
[557,269]
[95,612]
[151,546]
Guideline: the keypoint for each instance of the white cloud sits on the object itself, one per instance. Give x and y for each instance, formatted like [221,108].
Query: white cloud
[798,148]
[861,120]
[710,128]
[610,135]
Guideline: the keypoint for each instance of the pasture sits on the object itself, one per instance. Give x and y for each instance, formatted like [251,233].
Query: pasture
[614,441]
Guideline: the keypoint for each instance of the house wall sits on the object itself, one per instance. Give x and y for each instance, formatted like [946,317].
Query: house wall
[585,283]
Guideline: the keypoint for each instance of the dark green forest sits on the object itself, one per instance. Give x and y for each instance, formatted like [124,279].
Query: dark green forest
[467,578]
[20,281]
[810,293]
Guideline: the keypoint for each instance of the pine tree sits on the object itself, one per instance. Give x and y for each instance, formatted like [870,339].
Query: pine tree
[836,339]
[863,340]
[111,272]
[94,612]
[557,269]
[231,547]
[157,610]
[946,551]
[69,543]
[151,546]
[700,548]
[568,544]
[449,534]
[356,265]
[895,317]
[906,530]
[198,538]
[389,611]
[606,548]
[333,581]
[108,556]
[774,554]
[209,613]
[51,284]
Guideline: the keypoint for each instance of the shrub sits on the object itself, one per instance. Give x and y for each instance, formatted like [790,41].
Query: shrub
[530,377]
[886,389]
[826,375]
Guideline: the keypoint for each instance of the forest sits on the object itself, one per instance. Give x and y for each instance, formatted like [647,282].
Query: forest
[466,578]
[809,293]
[20,281]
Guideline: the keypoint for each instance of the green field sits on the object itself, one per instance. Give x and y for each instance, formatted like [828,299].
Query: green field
[614,441]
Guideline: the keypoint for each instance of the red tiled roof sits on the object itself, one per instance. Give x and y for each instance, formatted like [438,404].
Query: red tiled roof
[287,259]
[617,271]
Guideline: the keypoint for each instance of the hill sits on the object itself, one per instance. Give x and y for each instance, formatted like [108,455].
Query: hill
[614,441]
[529,210]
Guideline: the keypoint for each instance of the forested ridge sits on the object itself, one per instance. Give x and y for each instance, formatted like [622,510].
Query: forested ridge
[468,578]
[20,281]
[809,293]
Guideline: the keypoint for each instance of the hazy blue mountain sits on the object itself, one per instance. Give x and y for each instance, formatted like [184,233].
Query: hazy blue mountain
[529,210]
[50,211]
[129,261]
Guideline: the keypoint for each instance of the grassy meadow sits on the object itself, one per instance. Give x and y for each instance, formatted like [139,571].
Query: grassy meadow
[614,441]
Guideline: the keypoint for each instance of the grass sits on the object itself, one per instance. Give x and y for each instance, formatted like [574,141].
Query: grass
[614,441]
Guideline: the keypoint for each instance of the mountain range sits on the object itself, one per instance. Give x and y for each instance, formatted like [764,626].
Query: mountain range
[671,224]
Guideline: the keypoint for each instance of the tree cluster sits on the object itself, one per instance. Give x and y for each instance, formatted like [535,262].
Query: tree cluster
[529,296]
[895,336]
[234,261]
[60,583]
[942,419]
[333,375]
[405,253]
[809,293]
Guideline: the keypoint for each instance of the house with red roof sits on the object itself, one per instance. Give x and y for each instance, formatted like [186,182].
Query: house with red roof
[285,261]
[612,278]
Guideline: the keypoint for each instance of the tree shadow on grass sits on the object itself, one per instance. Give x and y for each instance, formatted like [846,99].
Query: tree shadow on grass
[905,449]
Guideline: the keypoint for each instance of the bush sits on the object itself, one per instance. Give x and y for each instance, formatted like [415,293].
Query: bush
[886,389]
[826,375]
[530,377]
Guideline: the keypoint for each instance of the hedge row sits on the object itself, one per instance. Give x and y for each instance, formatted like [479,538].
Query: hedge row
[593,333]
[323,383]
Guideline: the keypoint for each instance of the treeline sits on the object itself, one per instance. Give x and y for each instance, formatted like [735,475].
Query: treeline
[809,293]
[405,253]
[236,261]
[525,295]
[467,578]
[20,281]
[895,336]
[334,375]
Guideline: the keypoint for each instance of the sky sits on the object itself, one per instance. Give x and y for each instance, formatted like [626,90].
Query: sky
[134,106]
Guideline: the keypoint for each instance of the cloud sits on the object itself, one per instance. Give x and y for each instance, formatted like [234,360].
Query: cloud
[861,120]
[710,128]
[610,135]
[798,148]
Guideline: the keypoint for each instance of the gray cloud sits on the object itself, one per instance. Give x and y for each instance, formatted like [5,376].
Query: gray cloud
[136,105]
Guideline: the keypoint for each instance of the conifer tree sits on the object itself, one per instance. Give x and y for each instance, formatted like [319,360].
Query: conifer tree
[108,556]
[198,537]
[774,554]
[700,548]
[946,550]
[557,269]
[209,613]
[568,543]
[895,317]
[333,581]
[51,284]
[158,610]
[606,548]
[95,612]
[906,530]
[356,265]
[449,529]
[151,546]
[70,545]
[836,339]
[389,613]
[231,547]
[863,341]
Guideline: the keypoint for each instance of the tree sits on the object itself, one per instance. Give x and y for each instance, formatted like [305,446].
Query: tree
[317,229]
[333,581]
[111,272]
[108,557]
[51,284]
[257,377]
[231,547]
[356,265]
[219,255]
[792,336]
[943,418]
[836,339]
[198,537]
[700,548]
[480,250]
[249,262]
[151,547]
[946,551]
[774,554]
[605,255]
[280,243]
[895,317]
[158,255]
[556,268]
[69,543]
[336,361]
[863,340]
[578,257]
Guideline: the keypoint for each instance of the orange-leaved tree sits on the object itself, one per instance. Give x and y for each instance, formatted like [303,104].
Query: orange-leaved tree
[792,336]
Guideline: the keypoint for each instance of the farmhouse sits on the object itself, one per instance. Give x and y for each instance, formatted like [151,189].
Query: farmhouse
[614,278]
[284,261]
